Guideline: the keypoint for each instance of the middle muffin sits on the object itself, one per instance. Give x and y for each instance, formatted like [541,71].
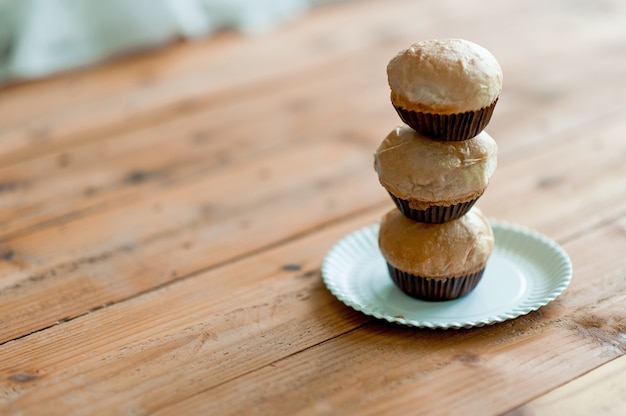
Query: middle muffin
[434,181]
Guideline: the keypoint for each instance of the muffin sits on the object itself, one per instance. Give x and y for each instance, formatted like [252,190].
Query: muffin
[446,89]
[434,181]
[436,262]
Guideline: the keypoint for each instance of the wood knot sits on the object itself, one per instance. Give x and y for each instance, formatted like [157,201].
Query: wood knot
[291,267]
[468,358]
[23,377]
[6,254]
[548,182]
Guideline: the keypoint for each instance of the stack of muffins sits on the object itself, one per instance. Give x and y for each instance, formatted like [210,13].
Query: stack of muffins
[437,165]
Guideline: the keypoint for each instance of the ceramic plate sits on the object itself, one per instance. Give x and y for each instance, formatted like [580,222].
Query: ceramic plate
[525,271]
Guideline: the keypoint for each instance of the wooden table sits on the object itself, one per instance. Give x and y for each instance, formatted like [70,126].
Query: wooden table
[163,219]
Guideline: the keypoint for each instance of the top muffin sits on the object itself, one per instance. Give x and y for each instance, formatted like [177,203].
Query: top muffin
[444,76]
[445,89]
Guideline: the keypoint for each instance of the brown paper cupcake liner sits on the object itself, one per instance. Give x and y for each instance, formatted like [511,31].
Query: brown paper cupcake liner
[434,290]
[450,127]
[435,214]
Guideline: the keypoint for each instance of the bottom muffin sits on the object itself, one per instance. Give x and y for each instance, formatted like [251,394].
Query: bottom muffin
[436,262]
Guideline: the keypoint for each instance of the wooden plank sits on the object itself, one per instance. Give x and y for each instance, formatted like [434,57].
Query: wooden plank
[600,392]
[289,46]
[255,334]
[179,295]
[32,196]
[134,247]
[411,371]
[18,180]
[216,310]
[73,179]
[575,185]
[235,66]
[534,105]
[112,255]
[223,65]
[538,101]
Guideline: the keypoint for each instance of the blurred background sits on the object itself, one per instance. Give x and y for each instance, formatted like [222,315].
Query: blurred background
[43,37]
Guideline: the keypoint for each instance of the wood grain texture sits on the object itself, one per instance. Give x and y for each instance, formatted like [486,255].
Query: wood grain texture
[173,234]
[254,334]
[199,219]
[229,329]
[600,392]
[163,218]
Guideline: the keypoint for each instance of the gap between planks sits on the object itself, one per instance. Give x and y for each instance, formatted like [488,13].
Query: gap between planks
[538,322]
[601,391]
[533,329]
[525,182]
[254,252]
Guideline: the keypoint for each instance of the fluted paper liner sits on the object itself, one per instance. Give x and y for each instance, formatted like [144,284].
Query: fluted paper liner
[434,289]
[449,127]
[435,214]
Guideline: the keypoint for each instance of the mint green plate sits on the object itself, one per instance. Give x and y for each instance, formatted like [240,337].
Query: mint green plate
[525,271]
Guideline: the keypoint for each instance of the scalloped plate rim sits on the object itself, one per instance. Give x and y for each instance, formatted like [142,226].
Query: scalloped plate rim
[364,237]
